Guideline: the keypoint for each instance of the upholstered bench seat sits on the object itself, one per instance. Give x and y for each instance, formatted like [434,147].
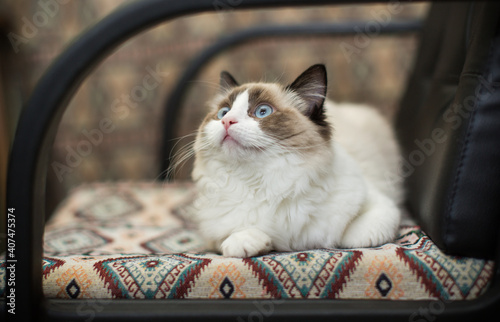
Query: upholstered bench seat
[132,241]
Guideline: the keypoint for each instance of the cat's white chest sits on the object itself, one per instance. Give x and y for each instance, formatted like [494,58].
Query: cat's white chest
[299,204]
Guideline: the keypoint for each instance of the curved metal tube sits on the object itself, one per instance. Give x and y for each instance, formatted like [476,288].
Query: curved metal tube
[40,118]
[171,109]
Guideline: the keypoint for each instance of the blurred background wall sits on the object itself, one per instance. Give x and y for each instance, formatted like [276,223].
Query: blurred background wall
[115,102]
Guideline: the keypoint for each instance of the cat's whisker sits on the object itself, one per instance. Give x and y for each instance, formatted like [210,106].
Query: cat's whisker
[276,151]
[179,139]
[298,148]
[168,172]
[280,76]
[160,174]
[183,154]
[279,148]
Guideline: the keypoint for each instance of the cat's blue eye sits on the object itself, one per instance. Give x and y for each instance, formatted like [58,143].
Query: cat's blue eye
[223,111]
[263,111]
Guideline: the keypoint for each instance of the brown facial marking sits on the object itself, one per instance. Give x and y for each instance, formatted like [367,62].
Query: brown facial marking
[285,123]
[227,102]
[259,94]
[237,91]
[280,124]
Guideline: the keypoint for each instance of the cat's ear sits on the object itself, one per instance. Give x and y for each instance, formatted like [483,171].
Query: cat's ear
[227,81]
[311,87]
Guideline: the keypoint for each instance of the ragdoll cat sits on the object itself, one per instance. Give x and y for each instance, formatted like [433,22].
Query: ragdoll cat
[278,168]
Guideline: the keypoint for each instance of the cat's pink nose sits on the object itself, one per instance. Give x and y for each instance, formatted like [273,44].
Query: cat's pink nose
[227,121]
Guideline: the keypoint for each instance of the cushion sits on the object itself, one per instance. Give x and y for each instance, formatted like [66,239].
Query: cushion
[132,241]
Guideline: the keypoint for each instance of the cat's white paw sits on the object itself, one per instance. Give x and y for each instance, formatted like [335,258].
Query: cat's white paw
[377,225]
[246,243]
[367,237]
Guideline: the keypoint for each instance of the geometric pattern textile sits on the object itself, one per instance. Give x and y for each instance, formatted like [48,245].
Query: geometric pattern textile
[133,241]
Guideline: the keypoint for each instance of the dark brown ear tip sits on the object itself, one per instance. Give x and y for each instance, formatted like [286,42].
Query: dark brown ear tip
[227,80]
[317,71]
[318,68]
[225,75]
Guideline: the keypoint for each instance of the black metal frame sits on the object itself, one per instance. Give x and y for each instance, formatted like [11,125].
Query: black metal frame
[26,184]
[243,37]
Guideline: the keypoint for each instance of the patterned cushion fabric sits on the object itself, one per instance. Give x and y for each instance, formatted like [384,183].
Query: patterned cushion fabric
[131,240]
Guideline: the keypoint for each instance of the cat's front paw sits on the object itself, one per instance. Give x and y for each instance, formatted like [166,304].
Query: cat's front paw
[246,243]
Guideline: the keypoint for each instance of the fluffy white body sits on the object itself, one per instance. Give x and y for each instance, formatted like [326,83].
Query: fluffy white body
[254,195]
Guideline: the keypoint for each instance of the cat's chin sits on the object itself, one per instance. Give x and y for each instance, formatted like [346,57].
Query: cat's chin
[236,150]
[231,145]
[229,140]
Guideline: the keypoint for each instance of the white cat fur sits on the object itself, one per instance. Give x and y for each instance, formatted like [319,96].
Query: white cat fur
[336,197]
